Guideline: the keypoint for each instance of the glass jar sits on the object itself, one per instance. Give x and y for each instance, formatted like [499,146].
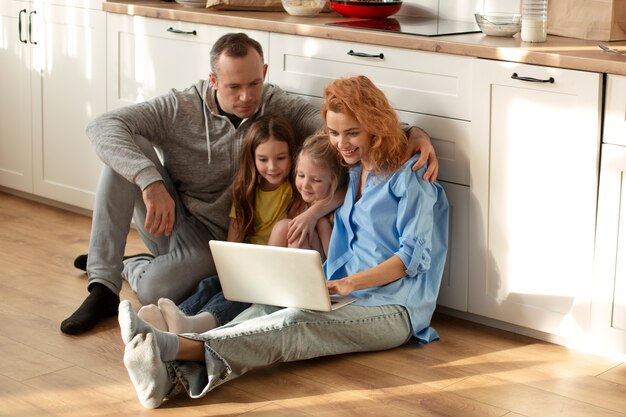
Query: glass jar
[534,20]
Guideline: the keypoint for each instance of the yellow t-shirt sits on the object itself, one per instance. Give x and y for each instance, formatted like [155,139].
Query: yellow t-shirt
[270,207]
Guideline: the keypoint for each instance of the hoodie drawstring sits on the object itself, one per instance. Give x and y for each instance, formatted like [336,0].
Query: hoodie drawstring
[206,122]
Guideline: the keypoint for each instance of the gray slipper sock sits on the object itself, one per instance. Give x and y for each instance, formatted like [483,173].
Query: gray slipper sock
[131,326]
[146,370]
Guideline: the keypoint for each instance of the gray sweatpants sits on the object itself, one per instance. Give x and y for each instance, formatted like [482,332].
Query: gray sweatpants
[181,259]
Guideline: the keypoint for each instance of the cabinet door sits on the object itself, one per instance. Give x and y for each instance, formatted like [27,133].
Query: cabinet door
[609,301]
[454,283]
[147,57]
[535,156]
[615,110]
[71,91]
[15,100]
[451,140]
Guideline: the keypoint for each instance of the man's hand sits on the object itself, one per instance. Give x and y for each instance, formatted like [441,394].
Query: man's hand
[160,209]
[419,141]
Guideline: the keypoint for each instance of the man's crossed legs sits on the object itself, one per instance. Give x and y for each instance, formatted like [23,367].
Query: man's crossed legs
[178,262]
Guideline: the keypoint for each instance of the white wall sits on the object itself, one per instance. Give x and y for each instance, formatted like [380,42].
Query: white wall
[457,9]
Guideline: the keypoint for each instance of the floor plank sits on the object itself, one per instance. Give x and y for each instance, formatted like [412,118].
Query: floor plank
[526,400]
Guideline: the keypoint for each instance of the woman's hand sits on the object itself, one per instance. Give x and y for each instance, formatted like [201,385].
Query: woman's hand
[382,274]
[419,141]
[342,286]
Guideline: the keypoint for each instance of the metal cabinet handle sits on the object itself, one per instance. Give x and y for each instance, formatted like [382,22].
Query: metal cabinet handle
[30,27]
[172,30]
[19,25]
[364,55]
[531,79]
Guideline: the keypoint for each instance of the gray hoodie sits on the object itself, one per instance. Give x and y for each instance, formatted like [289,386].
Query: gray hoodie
[199,147]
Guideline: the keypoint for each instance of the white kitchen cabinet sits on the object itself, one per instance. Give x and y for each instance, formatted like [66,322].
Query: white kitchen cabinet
[59,85]
[428,90]
[451,139]
[455,279]
[147,57]
[16,156]
[535,160]
[609,300]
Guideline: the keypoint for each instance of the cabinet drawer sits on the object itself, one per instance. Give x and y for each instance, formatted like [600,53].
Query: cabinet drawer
[451,139]
[147,57]
[416,81]
[615,110]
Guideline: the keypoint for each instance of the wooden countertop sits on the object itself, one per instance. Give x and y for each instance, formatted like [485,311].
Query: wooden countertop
[556,51]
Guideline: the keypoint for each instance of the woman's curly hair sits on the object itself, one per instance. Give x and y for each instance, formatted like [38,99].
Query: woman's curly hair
[360,98]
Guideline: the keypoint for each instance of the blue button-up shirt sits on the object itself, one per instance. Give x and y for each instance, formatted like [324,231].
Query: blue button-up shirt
[398,214]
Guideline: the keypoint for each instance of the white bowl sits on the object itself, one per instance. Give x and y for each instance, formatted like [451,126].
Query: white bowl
[192,3]
[303,7]
[498,24]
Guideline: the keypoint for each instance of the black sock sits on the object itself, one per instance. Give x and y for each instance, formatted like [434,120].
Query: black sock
[81,260]
[99,304]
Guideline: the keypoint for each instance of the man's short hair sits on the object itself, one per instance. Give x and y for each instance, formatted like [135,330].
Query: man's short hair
[233,45]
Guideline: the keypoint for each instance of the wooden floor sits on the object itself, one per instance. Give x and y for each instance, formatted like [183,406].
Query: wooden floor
[472,371]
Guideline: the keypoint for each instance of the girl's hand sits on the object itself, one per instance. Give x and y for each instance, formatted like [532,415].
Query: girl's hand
[301,228]
[339,286]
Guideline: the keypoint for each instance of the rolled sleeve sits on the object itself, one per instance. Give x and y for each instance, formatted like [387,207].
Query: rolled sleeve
[419,261]
[414,223]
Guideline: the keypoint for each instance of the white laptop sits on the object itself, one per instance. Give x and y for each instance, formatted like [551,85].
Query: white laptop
[272,275]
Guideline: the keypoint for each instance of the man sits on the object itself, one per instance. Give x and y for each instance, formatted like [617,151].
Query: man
[180,197]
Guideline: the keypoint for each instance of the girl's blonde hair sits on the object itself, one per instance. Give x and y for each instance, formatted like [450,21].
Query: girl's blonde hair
[246,180]
[318,148]
[358,97]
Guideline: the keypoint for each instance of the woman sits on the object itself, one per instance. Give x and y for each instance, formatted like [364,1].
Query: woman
[392,266]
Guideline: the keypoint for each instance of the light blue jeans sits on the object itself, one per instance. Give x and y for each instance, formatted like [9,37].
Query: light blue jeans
[181,260]
[263,335]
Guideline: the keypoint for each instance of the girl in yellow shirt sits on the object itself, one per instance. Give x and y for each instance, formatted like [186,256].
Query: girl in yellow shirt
[262,195]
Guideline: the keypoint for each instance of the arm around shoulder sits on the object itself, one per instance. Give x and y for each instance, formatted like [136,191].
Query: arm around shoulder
[419,142]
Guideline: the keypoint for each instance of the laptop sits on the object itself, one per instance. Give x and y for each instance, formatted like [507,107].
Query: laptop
[263,274]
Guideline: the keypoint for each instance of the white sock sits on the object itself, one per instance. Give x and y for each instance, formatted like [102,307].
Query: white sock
[131,326]
[178,322]
[146,370]
[152,315]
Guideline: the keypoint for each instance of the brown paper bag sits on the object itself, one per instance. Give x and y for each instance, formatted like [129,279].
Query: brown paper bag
[601,20]
[258,5]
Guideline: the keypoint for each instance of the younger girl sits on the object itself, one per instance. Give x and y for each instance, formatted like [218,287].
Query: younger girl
[319,172]
[262,195]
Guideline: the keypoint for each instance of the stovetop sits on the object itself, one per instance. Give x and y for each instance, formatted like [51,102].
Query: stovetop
[411,25]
